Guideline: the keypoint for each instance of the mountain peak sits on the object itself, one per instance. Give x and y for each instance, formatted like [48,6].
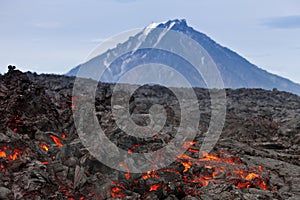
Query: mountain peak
[235,70]
[181,22]
[168,24]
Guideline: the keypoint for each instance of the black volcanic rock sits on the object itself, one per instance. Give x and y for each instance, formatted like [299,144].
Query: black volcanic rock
[235,70]
[25,107]
[261,129]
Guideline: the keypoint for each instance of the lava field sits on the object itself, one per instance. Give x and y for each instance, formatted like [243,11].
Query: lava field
[42,156]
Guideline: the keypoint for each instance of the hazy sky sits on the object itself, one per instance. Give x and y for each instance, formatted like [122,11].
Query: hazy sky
[54,36]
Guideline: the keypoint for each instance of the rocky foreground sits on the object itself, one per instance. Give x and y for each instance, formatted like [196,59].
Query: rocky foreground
[42,157]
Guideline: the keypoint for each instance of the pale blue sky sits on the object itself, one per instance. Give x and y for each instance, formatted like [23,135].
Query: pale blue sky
[54,36]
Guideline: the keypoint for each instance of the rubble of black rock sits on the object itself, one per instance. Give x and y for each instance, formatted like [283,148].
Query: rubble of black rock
[42,157]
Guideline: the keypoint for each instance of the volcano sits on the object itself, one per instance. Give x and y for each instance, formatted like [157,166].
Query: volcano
[236,71]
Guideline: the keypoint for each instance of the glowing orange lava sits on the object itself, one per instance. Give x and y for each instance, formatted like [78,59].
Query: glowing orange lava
[217,165]
[9,154]
[252,176]
[187,165]
[130,151]
[155,187]
[45,147]
[127,175]
[150,174]
[188,144]
[116,192]
[3,169]
[56,140]
[2,154]
[15,154]
[199,172]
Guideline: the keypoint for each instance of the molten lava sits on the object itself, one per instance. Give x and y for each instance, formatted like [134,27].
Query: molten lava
[252,176]
[45,147]
[2,167]
[15,154]
[130,151]
[117,191]
[9,154]
[14,123]
[127,175]
[216,165]
[56,140]
[155,187]
[150,174]
[187,165]
[2,154]
[195,173]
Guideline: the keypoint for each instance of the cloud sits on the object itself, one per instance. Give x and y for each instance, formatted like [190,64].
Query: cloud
[284,22]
